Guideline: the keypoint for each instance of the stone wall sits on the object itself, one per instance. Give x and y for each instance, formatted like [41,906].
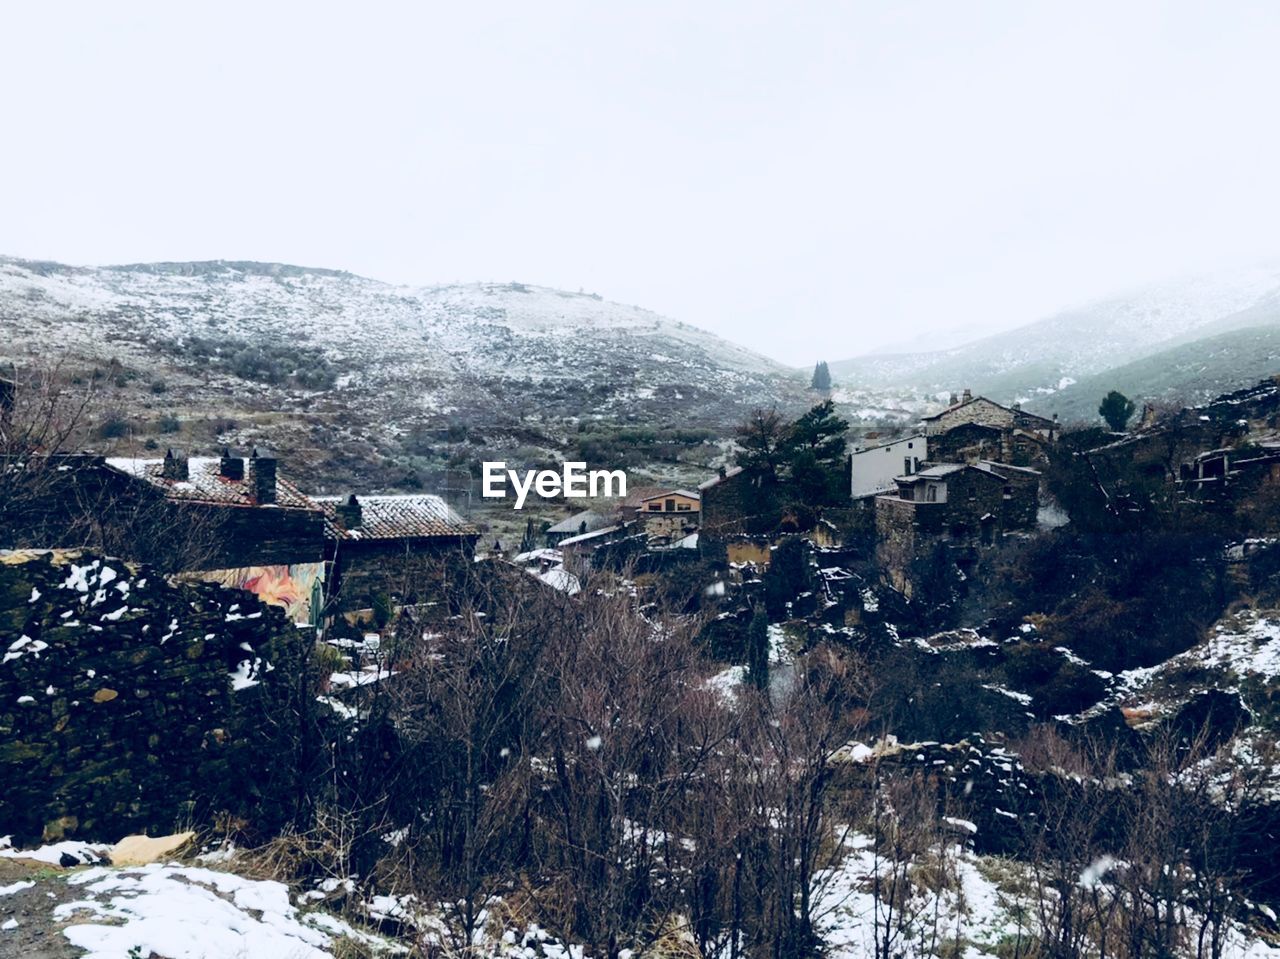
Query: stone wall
[669,527]
[742,503]
[129,704]
[405,571]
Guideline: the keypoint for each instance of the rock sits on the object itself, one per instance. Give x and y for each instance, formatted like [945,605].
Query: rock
[104,695]
[58,829]
[140,850]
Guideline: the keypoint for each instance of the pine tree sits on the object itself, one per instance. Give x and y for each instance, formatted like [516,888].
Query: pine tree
[814,450]
[1116,408]
[758,650]
[821,377]
[528,542]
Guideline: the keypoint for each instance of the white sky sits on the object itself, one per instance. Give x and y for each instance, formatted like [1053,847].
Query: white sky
[815,179]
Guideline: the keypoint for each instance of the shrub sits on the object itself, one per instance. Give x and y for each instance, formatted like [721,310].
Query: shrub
[113,426]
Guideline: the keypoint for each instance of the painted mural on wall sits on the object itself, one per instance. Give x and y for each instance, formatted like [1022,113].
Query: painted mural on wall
[297,588]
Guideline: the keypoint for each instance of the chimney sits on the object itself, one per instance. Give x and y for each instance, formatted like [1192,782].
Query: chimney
[175,467]
[262,474]
[231,467]
[968,395]
[1018,407]
[954,401]
[350,513]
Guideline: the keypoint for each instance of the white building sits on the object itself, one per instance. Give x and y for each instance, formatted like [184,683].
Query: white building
[872,470]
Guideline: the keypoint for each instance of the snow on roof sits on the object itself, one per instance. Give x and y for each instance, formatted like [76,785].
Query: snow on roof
[933,472]
[720,479]
[538,555]
[206,484]
[943,470]
[573,524]
[997,467]
[559,578]
[975,399]
[594,534]
[410,516]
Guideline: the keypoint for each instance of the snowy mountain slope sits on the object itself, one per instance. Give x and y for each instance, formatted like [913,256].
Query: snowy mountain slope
[457,347]
[1045,356]
[360,368]
[1185,375]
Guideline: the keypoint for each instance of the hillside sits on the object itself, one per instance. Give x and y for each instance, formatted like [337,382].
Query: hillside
[1044,357]
[1190,374]
[364,366]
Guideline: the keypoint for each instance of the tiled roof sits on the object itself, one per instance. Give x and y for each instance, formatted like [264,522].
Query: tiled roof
[205,484]
[638,494]
[955,406]
[414,516]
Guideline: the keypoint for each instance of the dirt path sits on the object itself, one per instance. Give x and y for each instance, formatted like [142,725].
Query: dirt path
[37,935]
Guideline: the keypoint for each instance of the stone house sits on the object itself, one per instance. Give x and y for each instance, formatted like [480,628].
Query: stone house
[951,509]
[738,502]
[970,409]
[395,546]
[975,442]
[233,521]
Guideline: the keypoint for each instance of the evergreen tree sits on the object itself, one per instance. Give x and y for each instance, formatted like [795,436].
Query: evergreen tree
[758,650]
[814,450]
[821,377]
[1116,408]
[528,542]
[760,440]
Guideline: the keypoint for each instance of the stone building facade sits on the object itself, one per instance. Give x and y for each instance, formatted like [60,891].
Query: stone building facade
[970,409]
[946,514]
[397,547]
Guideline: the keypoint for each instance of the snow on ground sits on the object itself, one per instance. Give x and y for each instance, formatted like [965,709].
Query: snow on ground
[975,916]
[195,913]
[727,682]
[1243,646]
[81,852]
[981,915]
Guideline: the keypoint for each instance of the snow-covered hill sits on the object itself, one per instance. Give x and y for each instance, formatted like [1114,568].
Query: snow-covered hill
[500,348]
[359,366]
[1046,356]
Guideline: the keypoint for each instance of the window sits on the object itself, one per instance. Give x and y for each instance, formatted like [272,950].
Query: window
[931,494]
[655,507]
